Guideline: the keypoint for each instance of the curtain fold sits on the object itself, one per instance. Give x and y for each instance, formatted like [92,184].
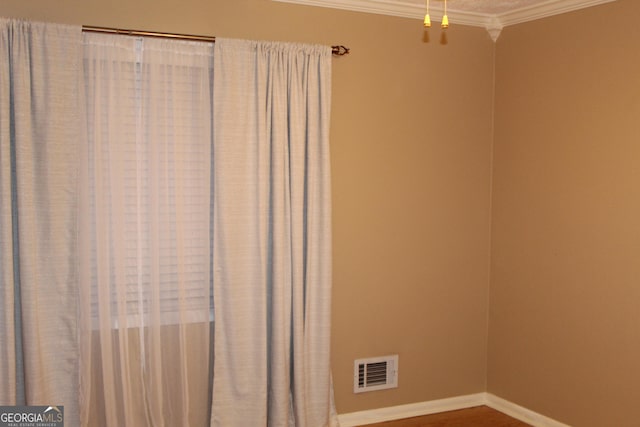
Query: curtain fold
[272,235]
[145,240]
[40,67]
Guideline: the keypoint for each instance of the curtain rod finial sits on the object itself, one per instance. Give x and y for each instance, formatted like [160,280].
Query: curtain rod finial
[340,50]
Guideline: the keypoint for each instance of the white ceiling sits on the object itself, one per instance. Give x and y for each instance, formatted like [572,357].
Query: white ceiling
[490,14]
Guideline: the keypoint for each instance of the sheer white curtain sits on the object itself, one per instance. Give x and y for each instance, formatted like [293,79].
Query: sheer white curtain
[272,235]
[40,66]
[145,234]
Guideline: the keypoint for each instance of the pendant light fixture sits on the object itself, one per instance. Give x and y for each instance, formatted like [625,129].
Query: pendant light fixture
[427,18]
[445,18]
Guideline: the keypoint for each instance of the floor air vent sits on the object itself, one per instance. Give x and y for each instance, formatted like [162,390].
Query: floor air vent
[376,373]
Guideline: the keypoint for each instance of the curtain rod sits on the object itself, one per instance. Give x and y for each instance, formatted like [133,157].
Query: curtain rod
[336,50]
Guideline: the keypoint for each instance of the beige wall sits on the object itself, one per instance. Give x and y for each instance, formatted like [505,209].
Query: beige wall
[411,153]
[565,277]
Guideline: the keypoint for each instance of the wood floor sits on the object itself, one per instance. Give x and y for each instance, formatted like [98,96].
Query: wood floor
[481,416]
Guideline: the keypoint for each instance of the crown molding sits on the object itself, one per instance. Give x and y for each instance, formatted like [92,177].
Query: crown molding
[492,23]
[394,8]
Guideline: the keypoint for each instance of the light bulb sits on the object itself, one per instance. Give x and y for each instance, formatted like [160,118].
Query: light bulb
[427,20]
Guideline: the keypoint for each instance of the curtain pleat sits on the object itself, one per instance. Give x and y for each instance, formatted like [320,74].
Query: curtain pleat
[39,139]
[272,235]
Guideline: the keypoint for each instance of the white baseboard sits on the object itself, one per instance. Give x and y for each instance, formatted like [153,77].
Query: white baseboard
[380,415]
[391,413]
[518,412]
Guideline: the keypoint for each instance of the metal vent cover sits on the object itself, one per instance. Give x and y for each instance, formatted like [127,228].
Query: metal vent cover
[376,373]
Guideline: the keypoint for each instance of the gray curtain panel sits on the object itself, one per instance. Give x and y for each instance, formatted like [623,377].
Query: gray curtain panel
[40,67]
[272,235]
